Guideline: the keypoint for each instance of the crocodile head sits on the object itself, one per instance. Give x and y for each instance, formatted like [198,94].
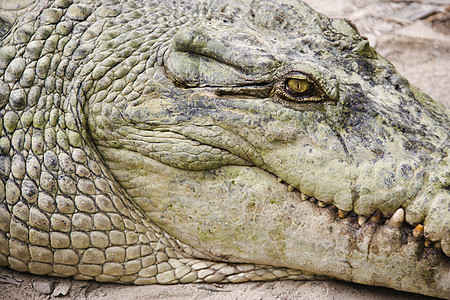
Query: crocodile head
[248,109]
[220,120]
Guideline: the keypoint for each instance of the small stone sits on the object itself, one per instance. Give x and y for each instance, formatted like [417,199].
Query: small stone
[43,286]
[62,289]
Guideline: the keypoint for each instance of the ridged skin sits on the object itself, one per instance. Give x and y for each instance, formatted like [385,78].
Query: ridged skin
[155,142]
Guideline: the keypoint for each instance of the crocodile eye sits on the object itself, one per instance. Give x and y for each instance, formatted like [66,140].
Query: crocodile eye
[301,91]
[300,88]
[297,86]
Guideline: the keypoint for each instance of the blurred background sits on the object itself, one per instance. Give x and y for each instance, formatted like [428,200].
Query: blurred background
[413,34]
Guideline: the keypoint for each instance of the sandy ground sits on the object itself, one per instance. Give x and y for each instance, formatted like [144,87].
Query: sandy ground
[415,37]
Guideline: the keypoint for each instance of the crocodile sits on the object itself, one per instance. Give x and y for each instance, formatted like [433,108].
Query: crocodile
[158,141]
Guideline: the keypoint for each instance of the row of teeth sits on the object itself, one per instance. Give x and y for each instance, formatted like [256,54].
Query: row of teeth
[396,221]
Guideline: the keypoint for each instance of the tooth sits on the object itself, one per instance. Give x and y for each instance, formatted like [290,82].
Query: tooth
[418,231]
[362,220]
[397,219]
[321,204]
[304,197]
[428,243]
[290,188]
[342,213]
[280,180]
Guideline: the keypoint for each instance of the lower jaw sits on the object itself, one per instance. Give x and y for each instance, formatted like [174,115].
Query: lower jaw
[244,215]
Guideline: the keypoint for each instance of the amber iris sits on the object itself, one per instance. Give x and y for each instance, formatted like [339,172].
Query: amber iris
[298,86]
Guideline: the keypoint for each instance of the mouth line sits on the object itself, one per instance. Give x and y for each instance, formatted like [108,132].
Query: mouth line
[396,221]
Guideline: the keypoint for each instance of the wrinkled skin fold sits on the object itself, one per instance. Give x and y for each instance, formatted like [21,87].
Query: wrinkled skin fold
[204,141]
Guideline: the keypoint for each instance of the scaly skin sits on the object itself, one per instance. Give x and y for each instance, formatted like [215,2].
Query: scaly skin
[157,142]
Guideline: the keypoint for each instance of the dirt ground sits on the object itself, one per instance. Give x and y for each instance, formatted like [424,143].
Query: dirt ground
[415,36]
